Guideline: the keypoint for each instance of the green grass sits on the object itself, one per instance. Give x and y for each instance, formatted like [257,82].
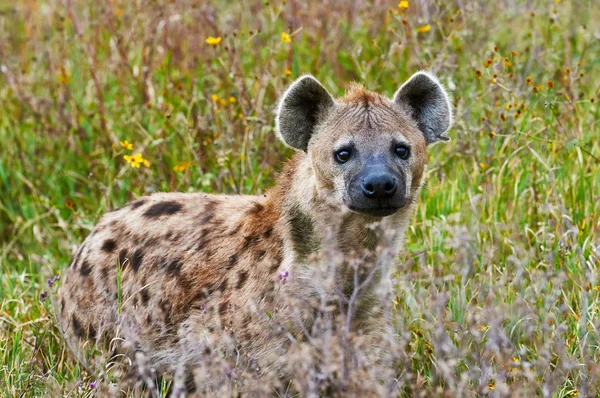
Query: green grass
[502,255]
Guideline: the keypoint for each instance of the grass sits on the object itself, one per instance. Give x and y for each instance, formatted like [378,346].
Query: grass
[498,291]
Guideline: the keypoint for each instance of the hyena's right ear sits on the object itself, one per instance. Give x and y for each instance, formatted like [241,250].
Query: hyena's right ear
[302,107]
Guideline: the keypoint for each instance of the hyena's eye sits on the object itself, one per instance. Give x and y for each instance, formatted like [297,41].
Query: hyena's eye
[343,155]
[402,151]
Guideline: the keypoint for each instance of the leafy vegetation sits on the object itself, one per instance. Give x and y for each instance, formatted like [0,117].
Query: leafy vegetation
[498,292]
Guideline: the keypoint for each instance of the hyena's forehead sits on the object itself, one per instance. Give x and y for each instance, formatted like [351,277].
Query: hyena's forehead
[364,114]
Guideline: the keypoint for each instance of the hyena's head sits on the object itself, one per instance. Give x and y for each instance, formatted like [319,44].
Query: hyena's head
[368,152]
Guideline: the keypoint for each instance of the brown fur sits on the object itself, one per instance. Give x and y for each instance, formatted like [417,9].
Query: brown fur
[192,266]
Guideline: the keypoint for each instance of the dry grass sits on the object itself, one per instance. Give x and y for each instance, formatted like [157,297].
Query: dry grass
[498,292]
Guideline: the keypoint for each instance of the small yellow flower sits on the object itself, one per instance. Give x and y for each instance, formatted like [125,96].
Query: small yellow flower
[118,12]
[136,160]
[574,393]
[424,28]
[483,328]
[597,288]
[214,97]
[403,5]
[126,144]
[529,81]
[182,166]
[492,385]
[232,100]
[222,102]
[286,38]
[483,166]
[288,72]
[213,40]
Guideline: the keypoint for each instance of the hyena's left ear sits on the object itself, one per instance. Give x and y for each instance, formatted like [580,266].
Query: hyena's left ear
[302,107]
[428,103]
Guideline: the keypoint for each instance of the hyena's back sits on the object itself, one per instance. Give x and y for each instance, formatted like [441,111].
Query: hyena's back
[171,263]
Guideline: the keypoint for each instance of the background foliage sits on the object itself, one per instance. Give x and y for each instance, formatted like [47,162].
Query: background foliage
[498,290]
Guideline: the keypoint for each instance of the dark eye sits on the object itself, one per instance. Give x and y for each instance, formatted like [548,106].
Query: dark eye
[343,155]
[402,151]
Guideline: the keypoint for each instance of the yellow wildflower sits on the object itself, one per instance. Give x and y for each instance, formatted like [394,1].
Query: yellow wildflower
[213,40]
[222,102]
[136,160]
[597,287]
[424,28]
[118,12]
[288,72]
[403,5]
[492,385]
[286,38]
[483,328]
[529,80]
[182,166]
[126,144]
[214,97]
[232,100]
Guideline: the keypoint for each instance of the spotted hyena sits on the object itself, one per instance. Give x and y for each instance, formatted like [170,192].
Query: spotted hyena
[172,277]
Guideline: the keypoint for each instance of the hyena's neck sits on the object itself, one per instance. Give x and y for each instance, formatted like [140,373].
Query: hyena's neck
[313,226]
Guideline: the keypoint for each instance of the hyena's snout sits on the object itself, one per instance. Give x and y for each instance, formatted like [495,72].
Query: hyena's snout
[378,191]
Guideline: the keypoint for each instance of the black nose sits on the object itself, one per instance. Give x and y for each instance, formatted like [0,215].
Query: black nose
[379,185]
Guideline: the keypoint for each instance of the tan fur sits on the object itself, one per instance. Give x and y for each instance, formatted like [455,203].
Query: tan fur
[193,266]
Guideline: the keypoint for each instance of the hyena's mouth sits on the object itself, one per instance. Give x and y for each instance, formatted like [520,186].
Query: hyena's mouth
[379,209]
[375,211]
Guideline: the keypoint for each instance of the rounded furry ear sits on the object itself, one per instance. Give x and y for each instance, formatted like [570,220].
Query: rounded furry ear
[302,107]
[427,102]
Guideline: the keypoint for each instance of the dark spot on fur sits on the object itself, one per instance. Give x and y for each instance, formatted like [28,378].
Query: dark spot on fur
[243,277]
[210,206]
[108,246]
[137,203]
[232,261]
[135,301]
[85,269]
[166,208]
[62,304]
[148,319]
[249,241]
[203,240]
[303,233]
[268,232]
[259,255]
[122,257]
[167,312]
[256,208]
[206,219]
[145,296]
[190,383]
[223,307]
[77,329]
[173,267]
[104,273]
[136,260]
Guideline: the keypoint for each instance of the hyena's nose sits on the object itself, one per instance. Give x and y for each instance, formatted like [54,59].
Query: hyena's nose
[379,185]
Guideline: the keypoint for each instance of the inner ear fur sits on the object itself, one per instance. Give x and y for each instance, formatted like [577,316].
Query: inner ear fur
[424,97]
[301,108]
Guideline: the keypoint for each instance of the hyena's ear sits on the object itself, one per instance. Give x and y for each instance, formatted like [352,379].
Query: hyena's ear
[428,103]
[302,107]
